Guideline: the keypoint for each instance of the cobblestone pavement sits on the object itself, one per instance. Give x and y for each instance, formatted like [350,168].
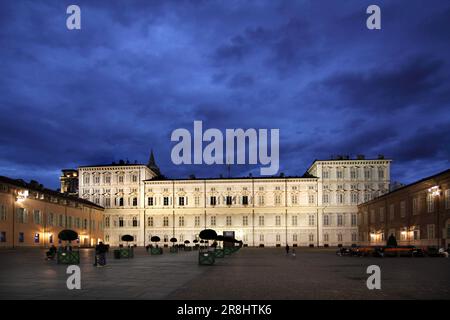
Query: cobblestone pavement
[252,273]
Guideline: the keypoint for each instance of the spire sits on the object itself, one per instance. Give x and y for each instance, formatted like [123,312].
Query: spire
[151,161]
[152,164]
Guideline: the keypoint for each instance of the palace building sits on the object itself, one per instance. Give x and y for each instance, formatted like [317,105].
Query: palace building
[32,216]
[318,208]
[416,214]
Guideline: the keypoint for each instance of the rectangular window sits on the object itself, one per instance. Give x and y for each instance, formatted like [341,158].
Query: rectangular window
[197,201]
[340,198]
[415,206]
[166,221]
[261,200]
[22,215]
[277,199]
[326,220]
[353,174]
[245,200]
[213,220]
[311,220]
[21,237]
[354,198]
[294,238]
[213,201]
[228,220]
[278,220]
[354,237]
[326,237]
[294,220]
[181,221]
[2,213]
[372,216]
[37,217]
[150,221]
[278,238]
[311,199]
[382,214]
[50,219]
[326,198]
[245,220]
[430,203]
[417,234]
[135,222]
[229,200]
[430,231]
[325,174]
[402,209]
[340,220]
[107,202]
[391,212]
[261,238]
[166,201]
[294,199]
[447,199]
[181,201]
[150,201]
[197,221]
[339,174]
[354,219]
[261,220]
[121,222]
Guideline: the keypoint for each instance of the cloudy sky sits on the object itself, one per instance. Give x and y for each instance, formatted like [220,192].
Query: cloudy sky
[137,70]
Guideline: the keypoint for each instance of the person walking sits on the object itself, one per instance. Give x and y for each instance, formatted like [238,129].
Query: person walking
[293,252]
[287,249]
[102,249]
[96,254]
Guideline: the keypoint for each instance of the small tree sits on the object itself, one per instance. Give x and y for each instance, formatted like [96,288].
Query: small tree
[155,239]
[127,238]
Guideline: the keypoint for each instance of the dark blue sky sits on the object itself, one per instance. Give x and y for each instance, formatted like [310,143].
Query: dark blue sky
[140,69]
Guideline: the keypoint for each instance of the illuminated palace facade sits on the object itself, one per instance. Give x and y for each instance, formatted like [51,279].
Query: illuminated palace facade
[318,208]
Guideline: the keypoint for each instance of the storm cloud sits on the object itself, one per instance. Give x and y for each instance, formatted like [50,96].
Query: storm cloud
[137,70]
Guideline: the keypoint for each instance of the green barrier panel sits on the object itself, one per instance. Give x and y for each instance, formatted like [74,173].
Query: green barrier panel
[219,253]
[126,253]
[68,257]
[206,258]
[156,251]
[187,248]
[173,250]
[228,250]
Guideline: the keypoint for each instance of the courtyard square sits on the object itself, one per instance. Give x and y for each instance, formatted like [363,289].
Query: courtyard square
[251,273]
